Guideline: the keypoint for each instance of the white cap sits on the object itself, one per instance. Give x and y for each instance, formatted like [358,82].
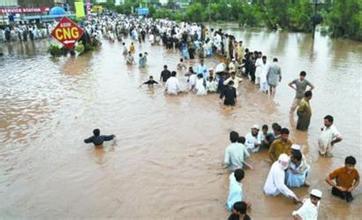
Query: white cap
[283,158]
[283,161]
[296,147]
[316,193]
[255,126]
[211,69]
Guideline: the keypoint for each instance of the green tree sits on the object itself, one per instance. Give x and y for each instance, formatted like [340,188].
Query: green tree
[345,19]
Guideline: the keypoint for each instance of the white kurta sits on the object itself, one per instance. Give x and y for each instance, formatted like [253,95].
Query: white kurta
[326,138]
[308,211]
[258,65]
[200,88]
[192,81]
[172,86]
[275,184]
[263,80]
[264,72]
[251,141]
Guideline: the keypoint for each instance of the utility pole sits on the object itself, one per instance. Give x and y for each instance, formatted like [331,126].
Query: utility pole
[314,16]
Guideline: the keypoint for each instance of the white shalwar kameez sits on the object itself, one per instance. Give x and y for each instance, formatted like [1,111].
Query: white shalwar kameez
[275,182]
[200,88]
[263,80]
[308,211]
[258,70]
[172,86]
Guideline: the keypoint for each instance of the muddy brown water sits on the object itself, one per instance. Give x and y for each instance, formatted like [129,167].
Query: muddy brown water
[166,161]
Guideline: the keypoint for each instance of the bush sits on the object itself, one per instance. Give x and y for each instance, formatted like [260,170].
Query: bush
[345,19]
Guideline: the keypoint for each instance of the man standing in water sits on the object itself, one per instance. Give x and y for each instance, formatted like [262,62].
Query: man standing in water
[150,82]
[98,139]
[229,92]
[165,74]
[235,154]
[281,145]
[304,112]
[274,76]
[300,86]
[172,86]
[346,179]
[328,137]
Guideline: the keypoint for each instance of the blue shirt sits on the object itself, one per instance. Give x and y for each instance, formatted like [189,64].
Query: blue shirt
[202,70]
[235,155]
[235,192]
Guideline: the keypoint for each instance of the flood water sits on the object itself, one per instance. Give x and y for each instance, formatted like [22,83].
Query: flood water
[166,161]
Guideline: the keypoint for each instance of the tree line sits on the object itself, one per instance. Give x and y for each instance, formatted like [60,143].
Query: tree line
[342,18]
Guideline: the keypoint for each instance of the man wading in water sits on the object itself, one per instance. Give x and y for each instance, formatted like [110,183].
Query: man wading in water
[98,139]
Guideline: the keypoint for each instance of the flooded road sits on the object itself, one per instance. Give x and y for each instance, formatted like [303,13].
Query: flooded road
[166,161]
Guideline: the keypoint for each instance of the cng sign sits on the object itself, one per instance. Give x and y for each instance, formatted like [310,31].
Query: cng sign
[67,32]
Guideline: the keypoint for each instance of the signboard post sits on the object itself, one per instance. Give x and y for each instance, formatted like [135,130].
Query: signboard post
[67,32]
[89,7]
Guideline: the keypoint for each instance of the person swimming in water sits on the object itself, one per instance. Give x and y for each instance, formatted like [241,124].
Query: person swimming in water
[98,139]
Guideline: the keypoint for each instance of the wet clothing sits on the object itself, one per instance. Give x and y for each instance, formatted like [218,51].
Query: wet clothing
[235,216]
[327,136]
[343,195]
[274,74]
[308,211]
[344,177]
[230,95]
[200,86]
[165,74]
[252,142]
[301,86]
[275,184]
[297,173]
[235,155]
[202,69]
[172,86]
[98,140]
[211,86]
[236,81]
[235,192]
[304,113]
[150,82]
[279,147]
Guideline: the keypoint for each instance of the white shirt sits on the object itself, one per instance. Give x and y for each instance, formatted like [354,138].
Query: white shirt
[235,192]
[251,141]
[328,135]
[172,86]
[308,211]
[258,65]
[211,86]
[192,80]
[264,72]
[274,184]
[235,155]
[201,90]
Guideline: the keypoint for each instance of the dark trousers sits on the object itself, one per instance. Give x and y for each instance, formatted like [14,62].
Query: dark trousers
[343,195]
[252,74]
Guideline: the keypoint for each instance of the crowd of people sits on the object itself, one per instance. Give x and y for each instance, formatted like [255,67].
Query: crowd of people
[289,168]
[25,32]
